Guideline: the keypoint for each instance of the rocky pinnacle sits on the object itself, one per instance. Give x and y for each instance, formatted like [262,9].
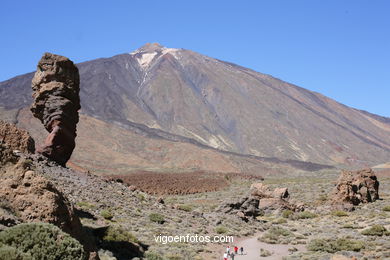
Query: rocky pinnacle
[56,87]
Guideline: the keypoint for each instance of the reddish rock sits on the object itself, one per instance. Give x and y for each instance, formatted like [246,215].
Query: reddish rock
[16,139]
[355,187]
[56,87]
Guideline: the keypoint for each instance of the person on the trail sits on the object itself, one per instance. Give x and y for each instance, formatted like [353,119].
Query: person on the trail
[235,249]
[232,256]
[228,250]
[241,250]
[225,256]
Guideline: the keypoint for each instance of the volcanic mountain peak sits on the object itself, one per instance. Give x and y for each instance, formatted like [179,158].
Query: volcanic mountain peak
[182,96]
[151,52]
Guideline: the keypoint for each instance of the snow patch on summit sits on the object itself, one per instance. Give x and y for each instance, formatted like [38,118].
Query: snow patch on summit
[172,51]
[146,58]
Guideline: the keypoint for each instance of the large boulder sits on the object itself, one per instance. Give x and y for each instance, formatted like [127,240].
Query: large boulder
[56,87]
[261,200]
[355,187]
[15,138]
[12,142]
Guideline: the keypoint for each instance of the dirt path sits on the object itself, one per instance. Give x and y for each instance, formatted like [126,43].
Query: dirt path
[252,249]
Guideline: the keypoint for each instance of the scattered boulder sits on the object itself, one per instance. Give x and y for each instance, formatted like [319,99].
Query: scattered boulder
[56,87]
[160,200]
[261,191]
[261,200]
[354,188]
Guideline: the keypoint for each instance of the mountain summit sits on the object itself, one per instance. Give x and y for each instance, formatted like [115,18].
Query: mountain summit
[182,96]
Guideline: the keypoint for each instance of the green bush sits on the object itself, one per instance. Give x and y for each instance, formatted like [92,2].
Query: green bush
[11,253]
[174,257]
[150,255]
[117,234]
[323,198]
[85,205]
[305,215]
[339,213]
[221,230]
[185,207]
[274,235]
[106,214]
[265,252]
[333,246]
[39,241]
[386,208]
[376,230]
[287,213]
[156,217]
[279,221]
[350,226]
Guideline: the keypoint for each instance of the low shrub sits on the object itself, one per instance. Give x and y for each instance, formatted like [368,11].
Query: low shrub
[305,215]
[221,230]
[85,205]
[105,213]
[265,252]
[150,255]
[156,217]
[274,235]
[174,257]
[339,213]
[279,221]
[349,226]
[117,234]
[11,253]
[39,241]
[335,245]
[287,213]
[376,230]
[185,207]
[386,208]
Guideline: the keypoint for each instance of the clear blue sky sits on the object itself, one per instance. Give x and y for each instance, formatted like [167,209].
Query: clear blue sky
[340,48]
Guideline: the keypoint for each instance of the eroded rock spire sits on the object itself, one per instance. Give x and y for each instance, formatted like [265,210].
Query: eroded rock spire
[56,87]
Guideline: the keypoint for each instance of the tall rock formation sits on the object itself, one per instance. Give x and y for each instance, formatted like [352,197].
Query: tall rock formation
[56,86]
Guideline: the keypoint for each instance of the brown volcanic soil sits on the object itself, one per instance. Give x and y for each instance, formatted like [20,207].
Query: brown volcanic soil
[158,183]
[107,149]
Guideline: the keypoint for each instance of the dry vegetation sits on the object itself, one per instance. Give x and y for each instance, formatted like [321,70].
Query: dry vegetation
[362,233]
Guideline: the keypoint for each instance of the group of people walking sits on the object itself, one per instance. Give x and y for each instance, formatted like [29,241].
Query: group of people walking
[231,253]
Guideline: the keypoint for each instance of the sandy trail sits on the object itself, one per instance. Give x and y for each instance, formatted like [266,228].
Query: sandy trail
[252,249]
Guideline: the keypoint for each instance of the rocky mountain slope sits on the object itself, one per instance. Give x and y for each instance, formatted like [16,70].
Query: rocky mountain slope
[178,98]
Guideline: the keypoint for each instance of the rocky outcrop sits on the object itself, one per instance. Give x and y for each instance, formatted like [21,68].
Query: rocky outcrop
[261,200]
[56,87]
[27,196]
[12,142]
[16,139]
[354,188]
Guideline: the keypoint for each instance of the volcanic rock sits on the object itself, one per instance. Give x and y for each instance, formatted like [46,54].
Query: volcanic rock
[12,142]
[56,86]
[355,187]
[16,139]
[32,198]
[261,199]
